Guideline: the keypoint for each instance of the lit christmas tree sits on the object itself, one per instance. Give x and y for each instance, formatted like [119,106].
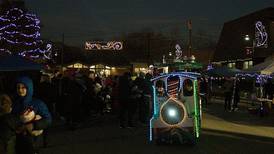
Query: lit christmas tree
[20,34]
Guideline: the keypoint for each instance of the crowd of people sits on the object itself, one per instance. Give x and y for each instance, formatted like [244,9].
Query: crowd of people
[26,115]
[77,96]
[232,92]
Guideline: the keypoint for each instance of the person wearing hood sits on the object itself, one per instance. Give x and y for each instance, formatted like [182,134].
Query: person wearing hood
[24,102]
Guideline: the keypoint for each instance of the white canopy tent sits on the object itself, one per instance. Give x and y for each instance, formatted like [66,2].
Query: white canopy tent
[269,69]
[265,68]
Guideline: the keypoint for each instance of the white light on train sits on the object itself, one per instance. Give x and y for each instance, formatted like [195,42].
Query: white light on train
[172,112]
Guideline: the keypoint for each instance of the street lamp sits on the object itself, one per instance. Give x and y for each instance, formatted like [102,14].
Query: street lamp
[247,38]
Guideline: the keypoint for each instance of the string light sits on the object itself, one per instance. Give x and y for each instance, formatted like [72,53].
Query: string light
[260,34]
[20,34]
[112,45]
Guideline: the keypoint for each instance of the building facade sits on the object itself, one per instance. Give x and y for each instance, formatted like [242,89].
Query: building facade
[246,41]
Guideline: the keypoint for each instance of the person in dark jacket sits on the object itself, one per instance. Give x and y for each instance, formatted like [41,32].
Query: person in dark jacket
[8,126]
[236,96]
[26,143]
[228,89]
[204,91]
[145,107]
[124,98]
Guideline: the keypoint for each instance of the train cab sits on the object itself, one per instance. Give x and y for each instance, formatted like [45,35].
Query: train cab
[176,116]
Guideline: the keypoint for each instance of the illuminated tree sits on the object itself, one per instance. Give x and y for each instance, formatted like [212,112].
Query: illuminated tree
[20,34]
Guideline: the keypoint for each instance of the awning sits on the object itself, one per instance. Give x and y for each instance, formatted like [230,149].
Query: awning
[17,63]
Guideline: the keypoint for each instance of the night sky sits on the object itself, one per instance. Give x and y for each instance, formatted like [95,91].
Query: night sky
[82,20]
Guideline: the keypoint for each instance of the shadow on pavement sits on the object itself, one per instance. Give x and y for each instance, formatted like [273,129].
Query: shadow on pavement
[228,142]
[241,116]
[211,142]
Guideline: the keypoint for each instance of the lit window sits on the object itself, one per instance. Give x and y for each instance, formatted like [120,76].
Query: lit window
[250,63]
[231,65]
[245,65]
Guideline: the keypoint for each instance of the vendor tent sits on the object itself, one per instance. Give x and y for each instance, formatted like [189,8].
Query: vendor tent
[265,68]
[17,63]
[223,72]
[269,69]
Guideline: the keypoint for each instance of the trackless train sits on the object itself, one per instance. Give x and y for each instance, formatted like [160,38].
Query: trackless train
[176,116]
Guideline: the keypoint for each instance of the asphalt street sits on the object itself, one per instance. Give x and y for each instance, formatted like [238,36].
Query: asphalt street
[223,132]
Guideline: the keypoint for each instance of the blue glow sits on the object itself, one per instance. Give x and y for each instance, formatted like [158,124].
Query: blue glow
[191,75]
[155,102]
[154,112]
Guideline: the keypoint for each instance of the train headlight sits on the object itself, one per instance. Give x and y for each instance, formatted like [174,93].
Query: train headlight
[172,112]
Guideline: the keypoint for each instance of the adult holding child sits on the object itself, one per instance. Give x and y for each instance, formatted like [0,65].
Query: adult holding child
[33,113]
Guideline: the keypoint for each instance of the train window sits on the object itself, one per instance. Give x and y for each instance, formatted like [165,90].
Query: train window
[160,88]
[188,87]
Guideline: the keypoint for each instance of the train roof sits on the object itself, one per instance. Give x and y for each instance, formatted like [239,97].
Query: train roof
[192,75]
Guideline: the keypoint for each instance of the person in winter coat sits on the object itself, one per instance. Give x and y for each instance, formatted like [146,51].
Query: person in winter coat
[147,104]
[8,126]
[228,89]
[26,142]
[124,98]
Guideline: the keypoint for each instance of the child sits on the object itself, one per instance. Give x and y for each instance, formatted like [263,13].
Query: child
[8,125]
[27,107]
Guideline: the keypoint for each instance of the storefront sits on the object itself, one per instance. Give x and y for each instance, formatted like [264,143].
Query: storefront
[99,68]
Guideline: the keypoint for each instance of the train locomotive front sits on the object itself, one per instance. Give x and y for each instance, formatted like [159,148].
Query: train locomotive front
[176,114]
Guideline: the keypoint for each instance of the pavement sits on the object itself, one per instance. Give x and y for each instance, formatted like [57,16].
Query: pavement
[222,132]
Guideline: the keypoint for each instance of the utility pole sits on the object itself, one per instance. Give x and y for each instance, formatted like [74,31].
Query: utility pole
[189,25]
[62,53]
[148,49]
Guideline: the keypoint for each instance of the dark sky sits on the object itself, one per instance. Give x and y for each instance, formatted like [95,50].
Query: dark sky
[82,20]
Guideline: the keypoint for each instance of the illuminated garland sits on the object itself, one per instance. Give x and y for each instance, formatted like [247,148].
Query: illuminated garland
[178,52]
[112,45]
[260,35]
[20,34]
[197,123]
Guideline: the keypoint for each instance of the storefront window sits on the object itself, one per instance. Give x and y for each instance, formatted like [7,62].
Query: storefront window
[247,64]
[231,65]
[100,69]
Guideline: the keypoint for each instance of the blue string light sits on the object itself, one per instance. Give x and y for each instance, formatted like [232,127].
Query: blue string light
[21,31]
